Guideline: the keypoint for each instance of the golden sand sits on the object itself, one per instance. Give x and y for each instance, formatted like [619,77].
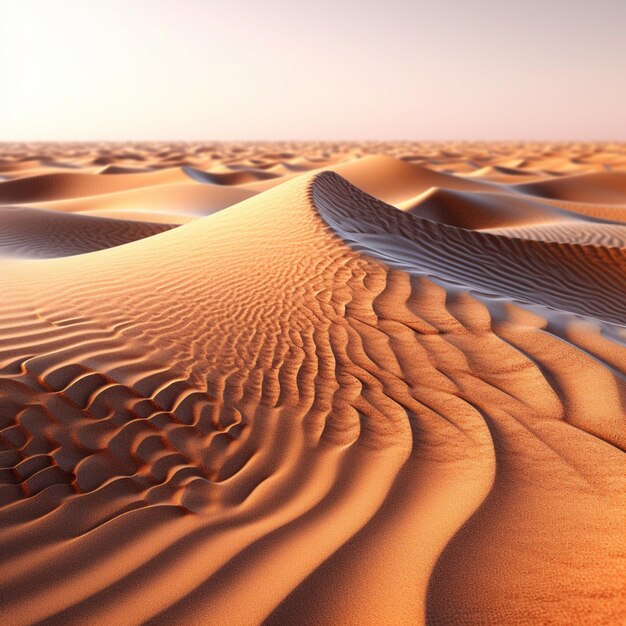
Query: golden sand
[312,383]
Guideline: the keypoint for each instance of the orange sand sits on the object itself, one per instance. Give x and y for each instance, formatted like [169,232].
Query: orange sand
[312,383]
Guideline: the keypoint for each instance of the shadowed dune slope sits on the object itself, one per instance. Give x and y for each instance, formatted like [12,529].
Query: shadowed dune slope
[230,177]
[39,233]
[586,279]
[480,211]
[313,407]
[600,187]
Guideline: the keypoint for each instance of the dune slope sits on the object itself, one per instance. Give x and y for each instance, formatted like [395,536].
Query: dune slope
[41,233]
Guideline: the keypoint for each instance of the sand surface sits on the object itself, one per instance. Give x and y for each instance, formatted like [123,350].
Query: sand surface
[312,383]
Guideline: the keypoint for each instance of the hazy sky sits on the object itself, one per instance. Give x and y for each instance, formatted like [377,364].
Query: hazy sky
[268,69]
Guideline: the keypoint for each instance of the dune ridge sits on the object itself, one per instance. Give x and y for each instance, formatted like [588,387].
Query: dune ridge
[334,401]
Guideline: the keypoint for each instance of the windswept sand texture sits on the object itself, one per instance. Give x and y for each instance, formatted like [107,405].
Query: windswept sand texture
[312,384]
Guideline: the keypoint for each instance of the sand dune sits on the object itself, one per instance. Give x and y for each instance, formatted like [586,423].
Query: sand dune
[604,188]
[476,210]
[236,177]
[375,392]
[170,202]
[39,233]
[76,184]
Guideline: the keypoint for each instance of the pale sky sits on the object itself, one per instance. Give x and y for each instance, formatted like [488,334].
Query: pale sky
[321,70]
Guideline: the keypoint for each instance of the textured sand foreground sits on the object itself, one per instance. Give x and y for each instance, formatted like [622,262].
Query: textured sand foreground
[312,384]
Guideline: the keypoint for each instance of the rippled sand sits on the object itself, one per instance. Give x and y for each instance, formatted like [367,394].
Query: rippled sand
[312,383]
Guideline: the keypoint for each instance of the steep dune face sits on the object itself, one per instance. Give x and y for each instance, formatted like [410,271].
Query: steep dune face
[586,279]
[315,407]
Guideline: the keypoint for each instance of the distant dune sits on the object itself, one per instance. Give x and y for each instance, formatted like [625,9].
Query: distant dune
[312,383]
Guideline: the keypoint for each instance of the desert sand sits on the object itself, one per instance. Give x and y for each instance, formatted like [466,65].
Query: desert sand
[313,383]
